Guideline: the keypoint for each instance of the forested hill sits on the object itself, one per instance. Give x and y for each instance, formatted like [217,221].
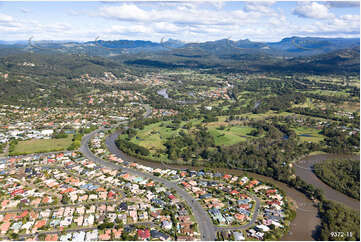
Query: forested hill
[337,62]
[52,63]
[346,60]
[51,78]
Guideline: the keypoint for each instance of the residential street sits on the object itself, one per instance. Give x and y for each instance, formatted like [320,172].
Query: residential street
[206,227]
[250,223]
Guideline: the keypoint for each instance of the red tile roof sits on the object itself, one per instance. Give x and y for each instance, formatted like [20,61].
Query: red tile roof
[143,234]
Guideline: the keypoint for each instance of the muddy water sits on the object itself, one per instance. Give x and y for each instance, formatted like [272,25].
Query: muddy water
[304,171]
[303,227]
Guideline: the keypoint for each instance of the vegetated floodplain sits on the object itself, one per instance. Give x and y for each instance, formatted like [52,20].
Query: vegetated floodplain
[339,223]
[41,145]
[342,175]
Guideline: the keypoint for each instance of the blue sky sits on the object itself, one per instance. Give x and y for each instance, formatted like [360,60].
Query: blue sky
[189,21]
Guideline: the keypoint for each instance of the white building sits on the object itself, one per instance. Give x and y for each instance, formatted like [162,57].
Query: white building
[47,132]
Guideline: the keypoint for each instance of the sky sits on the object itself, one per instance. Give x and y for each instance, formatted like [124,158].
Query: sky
[189,21]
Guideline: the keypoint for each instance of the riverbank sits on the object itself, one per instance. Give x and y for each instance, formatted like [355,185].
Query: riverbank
[304,170]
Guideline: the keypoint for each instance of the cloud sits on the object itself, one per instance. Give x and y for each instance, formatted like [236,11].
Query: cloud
[351,17]
[24,10]
[312,10]
[186,14]
[9,23]
[128,12]
[198,21]
[5,18]
[73,12]
[342,26]
[262,7]
[168,28]
[343,4]
[122,29]
[188,21]
[21,29]
[219,4]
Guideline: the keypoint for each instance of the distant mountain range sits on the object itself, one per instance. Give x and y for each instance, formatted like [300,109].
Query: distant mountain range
[287,47]
[290,55]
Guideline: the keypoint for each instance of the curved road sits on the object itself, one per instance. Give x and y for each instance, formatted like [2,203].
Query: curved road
[110,143]
[303,227]
[205,225]
[304,169]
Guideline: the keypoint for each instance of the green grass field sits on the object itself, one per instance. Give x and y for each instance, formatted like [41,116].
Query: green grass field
[316,137]
[154,135]
[230,135]
[328,93]
[42,145]
[261,116]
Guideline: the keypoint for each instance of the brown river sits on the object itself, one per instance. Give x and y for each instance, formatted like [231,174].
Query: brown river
[304,171]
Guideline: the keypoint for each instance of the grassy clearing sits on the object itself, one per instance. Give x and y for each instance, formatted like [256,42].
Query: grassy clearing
[314,134]
[330,79]
[230,135]
[261,116]
[42,145]
[154,135]
[329,93]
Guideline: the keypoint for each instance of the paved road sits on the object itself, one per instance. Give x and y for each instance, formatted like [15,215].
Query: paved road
[110,143]
[304,169]
[206,227]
